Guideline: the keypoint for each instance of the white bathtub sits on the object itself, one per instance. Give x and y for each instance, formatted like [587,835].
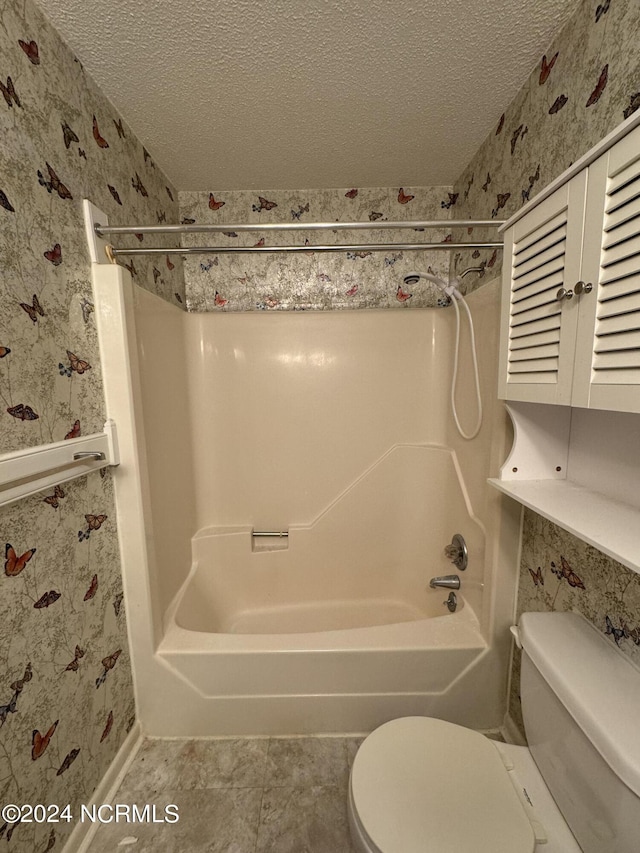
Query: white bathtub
[343,606]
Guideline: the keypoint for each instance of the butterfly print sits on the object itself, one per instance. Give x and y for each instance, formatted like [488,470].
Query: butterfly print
[23,413]
[179,298]
[402,295]
[13,564]
[108,663]
[39,742]
[616,633]
[31,49]
[601,85]
[469,185]
[186,221]
[54,183]
[264,205]
[4,201]
[146,156]
[634,103]
[156,275]
[82,153]
[493,258]
[17,687]
[447,239]
[375,215]
[93,588]
[353,255]
[322,276]
[502,200]
[139,186]
[139,237]
[389,262]
[228,233]
[131,267]
[403,198]
[75,663]
[259,244]
[545,68]
[169,193]
[117,603]
[536,576]
[54,499]
[74,432]
[602,9]
[220,301]
[9,93]
[19,684]
[296,214]
[51,843]
[161,216]
[68,761]
[100,140]
[47,599]
[213,204]
[500,125]
[95,522]
[352,290]
[170,266]
[351,193]
[475,254]
[119,128]
[54,255]
[558,104]
[77,364]
[108,727]
[4,351]
[69,135]
[485,186]
[453,198]
[515,137]
[114,192]
[212,262]
[34,309]
[565,571]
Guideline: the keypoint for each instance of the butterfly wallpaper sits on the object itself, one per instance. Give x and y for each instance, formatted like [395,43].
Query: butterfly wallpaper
[307,281]
[586,83]
[62,614]
[560,572]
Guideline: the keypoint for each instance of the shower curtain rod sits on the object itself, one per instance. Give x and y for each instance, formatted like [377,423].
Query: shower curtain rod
[310,249]
[101,230]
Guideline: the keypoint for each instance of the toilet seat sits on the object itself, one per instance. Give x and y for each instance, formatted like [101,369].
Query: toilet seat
[421,785]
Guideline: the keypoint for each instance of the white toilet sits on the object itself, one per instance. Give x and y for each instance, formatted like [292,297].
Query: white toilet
[421,785]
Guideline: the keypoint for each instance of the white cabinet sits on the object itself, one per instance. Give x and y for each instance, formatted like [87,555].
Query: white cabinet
[571,299]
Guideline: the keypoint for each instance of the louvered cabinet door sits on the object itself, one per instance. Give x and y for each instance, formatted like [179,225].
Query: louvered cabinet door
[607,366]
[538,332]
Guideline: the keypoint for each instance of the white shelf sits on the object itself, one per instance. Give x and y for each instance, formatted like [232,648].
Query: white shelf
[611,526]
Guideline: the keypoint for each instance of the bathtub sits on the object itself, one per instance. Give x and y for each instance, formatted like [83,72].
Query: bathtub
[340,609]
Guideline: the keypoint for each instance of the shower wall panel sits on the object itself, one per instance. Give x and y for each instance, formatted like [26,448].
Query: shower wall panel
[289,408]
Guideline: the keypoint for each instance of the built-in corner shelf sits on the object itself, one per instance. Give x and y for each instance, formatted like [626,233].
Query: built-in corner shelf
[580,470]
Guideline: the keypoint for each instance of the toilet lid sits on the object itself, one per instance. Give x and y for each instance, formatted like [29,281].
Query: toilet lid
[421,785]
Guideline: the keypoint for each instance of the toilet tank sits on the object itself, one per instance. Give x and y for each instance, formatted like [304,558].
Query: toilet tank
[581,708]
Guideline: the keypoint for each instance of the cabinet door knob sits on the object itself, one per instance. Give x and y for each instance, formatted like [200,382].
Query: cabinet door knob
[583,287]
[564,294]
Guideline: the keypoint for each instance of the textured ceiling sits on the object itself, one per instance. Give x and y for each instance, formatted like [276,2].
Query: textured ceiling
[284,94]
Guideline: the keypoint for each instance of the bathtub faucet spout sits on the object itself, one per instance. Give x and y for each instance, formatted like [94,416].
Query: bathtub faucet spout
[447,582]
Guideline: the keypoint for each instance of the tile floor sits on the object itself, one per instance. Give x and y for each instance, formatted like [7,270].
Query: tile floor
[271,795]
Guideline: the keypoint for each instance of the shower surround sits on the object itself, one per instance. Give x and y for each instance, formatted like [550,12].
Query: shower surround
[262,421]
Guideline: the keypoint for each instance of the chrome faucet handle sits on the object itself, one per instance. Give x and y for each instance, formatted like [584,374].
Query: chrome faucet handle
[457,552]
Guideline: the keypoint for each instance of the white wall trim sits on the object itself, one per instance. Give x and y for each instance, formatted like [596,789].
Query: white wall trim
[83,833]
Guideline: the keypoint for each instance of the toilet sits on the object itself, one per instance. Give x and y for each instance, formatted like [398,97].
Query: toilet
[422,785]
